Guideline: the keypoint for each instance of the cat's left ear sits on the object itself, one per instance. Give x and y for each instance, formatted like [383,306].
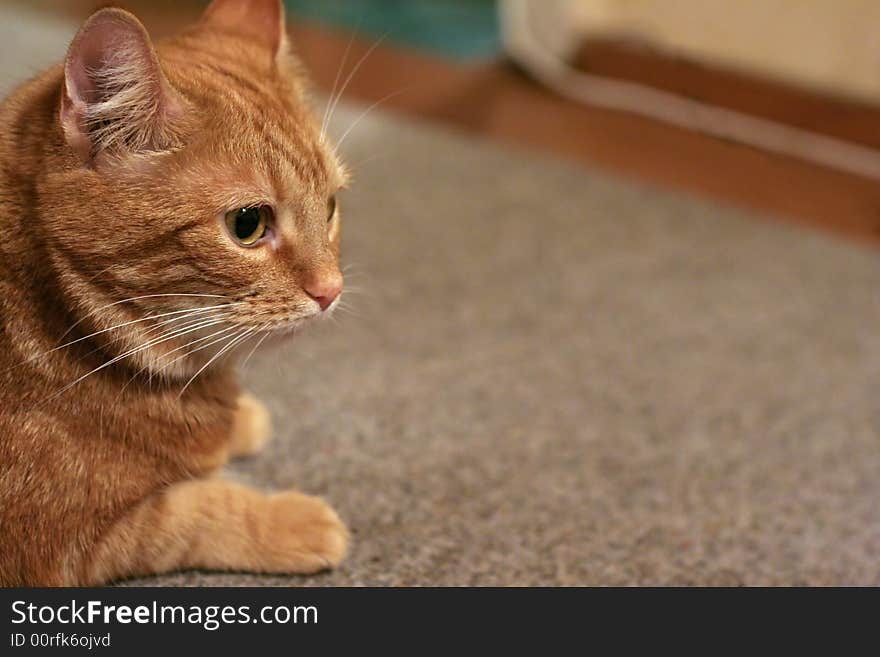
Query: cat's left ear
[260,20]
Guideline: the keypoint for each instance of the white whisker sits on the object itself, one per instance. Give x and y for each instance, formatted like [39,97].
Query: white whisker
[180,315]
[188,344]
[199,315]
[235,339]
[351,76]
[364,114]
[257,346]
[131,352]
[185,314]
[355,166]
[335,83]
[145,296]
[225,331]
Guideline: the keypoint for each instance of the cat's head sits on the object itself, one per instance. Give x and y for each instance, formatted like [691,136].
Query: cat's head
[195,178]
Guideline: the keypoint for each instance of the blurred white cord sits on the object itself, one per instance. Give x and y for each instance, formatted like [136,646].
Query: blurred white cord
[548,65]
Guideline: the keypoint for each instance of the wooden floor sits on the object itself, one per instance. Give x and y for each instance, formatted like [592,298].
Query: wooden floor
[496,101]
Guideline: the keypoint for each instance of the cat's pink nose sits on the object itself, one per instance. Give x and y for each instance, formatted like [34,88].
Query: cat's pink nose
[325,290]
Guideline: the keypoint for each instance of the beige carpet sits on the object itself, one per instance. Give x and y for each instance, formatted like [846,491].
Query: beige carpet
[553,377]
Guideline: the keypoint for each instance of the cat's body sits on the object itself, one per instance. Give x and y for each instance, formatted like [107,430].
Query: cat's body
[112,242]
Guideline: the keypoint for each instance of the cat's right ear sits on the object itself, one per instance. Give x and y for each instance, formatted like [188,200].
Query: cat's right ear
[115,96]
[259,20]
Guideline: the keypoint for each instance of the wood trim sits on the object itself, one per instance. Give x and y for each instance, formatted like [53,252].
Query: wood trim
[847,119]
[494,100]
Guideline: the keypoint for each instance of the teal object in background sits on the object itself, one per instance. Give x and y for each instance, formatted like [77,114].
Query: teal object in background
[460,29]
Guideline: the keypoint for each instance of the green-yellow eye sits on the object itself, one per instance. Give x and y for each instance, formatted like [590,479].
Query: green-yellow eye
[248,225]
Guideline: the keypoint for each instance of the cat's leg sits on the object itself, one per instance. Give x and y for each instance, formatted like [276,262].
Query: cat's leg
[251,428]
[219,525]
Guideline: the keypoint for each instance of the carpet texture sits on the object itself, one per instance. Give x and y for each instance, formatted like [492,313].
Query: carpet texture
[557,378]
[551,377]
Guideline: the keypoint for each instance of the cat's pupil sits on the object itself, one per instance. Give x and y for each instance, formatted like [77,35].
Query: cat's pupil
[246,223]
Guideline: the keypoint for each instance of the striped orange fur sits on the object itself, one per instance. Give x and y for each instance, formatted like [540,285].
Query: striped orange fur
[131,283]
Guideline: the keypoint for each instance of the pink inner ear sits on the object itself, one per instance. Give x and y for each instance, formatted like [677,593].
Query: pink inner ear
[257,19]
[107,39]
[112,59]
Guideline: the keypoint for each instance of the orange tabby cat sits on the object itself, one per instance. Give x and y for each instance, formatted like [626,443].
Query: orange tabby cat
[164,208]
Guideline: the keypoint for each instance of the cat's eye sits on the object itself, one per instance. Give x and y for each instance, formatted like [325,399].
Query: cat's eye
[331,209]
[247,226]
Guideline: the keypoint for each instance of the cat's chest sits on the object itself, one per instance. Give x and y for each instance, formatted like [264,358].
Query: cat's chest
[169,436]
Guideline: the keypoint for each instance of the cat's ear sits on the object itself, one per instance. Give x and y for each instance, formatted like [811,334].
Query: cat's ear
[115,96]
[261,20]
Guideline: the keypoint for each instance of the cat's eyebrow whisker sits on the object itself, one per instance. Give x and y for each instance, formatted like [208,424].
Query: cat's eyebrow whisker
[232,342]
[330,99]
[352,74]
[367,160]
[163,338]
[366,112]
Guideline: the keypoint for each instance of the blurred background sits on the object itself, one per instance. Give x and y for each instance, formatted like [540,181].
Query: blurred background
[768,104]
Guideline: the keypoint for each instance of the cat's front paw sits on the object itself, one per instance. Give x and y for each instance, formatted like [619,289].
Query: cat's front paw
[252,427]
[307,534]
